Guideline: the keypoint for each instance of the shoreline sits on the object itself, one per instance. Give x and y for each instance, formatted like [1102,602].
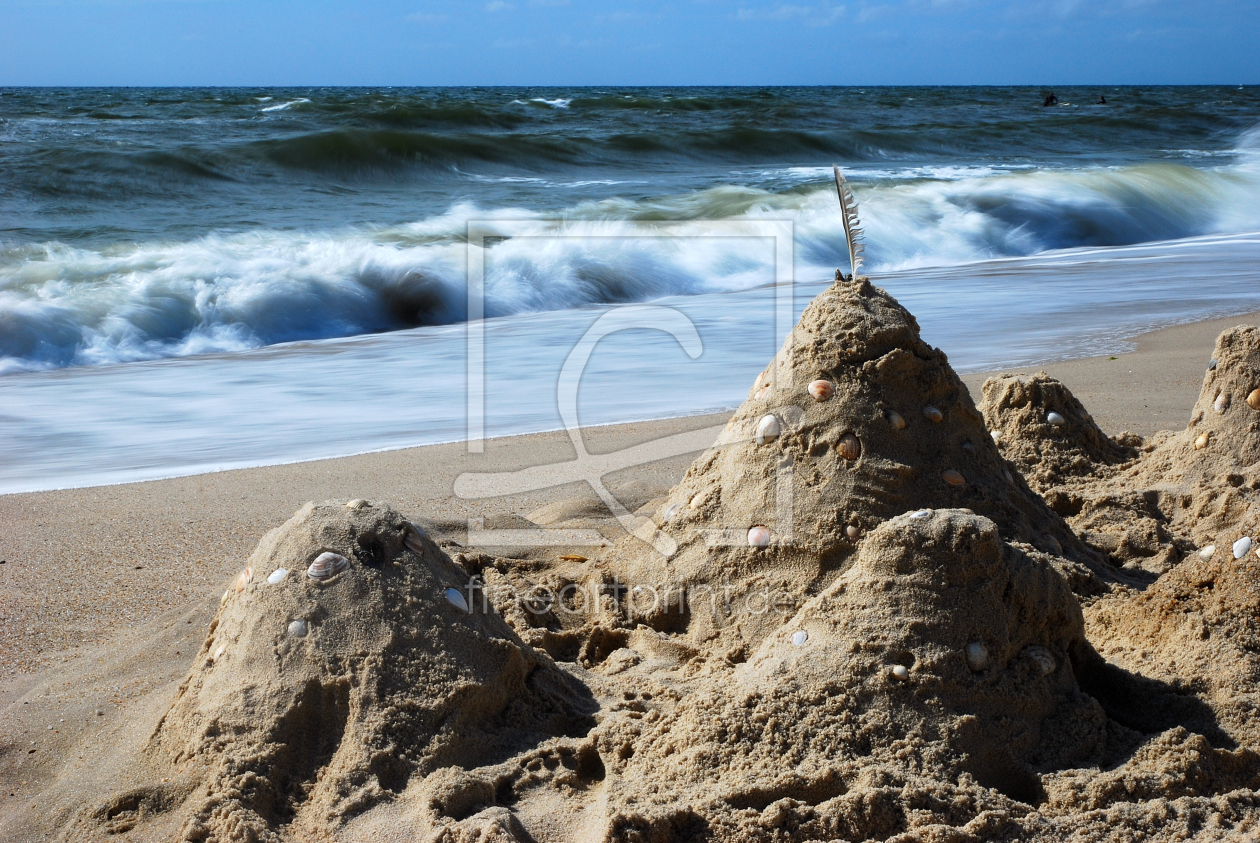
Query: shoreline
[82,565]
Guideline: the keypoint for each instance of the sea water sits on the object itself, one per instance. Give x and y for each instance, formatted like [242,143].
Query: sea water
[200,279]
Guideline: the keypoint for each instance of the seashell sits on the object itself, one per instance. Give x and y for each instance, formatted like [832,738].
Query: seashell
[900,672]
[1212,364]
[933,414]
[1201,441]
[1222,402]
[357,503]
[1055,419]
[800,637]
[853,531]
[277,576]
[953,477]
[243,579]
[1006,472]
[758,537]
[920,513]
[849,447]
[218,653]
[456,598]
[977,655]
[1253,399]
[698,500]
[573,557]
[1207,552]
[298,628]
[1042,658]
[1242,547]
[968,447]
[762,393]
[895,419]
[327,565]
[768,430]
[821,390]
[997,437]
[670,511]
[1052,544]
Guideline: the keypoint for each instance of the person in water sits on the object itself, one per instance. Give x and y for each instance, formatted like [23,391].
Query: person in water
[1101,100]
[1050,100]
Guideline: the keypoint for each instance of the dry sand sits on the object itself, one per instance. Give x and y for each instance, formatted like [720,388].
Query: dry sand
[106,596]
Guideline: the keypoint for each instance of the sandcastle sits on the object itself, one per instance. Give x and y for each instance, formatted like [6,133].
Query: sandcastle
[963,637]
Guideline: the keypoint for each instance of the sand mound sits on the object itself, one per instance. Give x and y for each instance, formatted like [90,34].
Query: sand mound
[942,654]
[865,422]
[312,700]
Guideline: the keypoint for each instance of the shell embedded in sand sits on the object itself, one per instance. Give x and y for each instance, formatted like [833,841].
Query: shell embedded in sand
[1253,400]
[933,415]
[1242,547]
[768,429]
[298,628]
[456,598]
[670,511]
[849,447]
[900,672]
[219,651]
[821,390]
[952,477]
[1052,544]
[968,447]
[762,393]
[243,579]
[1212,364]
[758,537]
[853,531]
[327,565]
[1006,472]
[895,419]
[997,437]
[1207,552]
[413,538]
[357,503]
[800,637]
[1042,658]
[698,500]
[1222,402]
[920,513]
[1055,419]
[277,575]
[1201,441]
[977,655]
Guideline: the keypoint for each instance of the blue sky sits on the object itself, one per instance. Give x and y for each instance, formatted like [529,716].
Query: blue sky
[583,42]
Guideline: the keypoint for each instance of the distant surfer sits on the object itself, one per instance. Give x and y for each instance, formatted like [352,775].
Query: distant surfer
[1050,100]
[1101,100]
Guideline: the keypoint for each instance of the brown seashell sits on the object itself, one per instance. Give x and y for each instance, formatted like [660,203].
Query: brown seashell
[849,447]
[1201,441]
[573,557]
[821,390]
[1253,400]
[1222,402]
[327,565]
[933,414]
[895,419]
[243,579]
[758,537]
[952,477]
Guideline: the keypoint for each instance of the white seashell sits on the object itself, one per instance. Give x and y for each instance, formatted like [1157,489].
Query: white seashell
[895,419]
[977,655]
[456,598]
[698,500]
[821,390]
[920,513]
[218,653]
[1006,472]
[900,672]
[327,565]
[933,414]
[968,447]
[800,637]
[853,531]
[1212,364]
[767,430]
[997,437]
[243,579]
[762,393]
[1201,441]
[1207,552]
[1242,547]
[1055,419]
[758,537]
[670,511]
[277,575]
[1222,402]
[357,503]
[1044,661]
[298,629]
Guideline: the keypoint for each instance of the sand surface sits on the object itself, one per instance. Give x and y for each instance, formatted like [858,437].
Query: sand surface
[106,593]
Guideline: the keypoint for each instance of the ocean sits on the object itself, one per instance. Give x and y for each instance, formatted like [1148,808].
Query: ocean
[205,278]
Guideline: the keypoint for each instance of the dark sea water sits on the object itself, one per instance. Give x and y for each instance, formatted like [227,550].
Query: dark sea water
[193,279]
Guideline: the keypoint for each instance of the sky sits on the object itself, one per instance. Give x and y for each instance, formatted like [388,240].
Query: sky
[642,42]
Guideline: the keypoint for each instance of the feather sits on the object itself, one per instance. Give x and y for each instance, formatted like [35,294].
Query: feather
[852,231]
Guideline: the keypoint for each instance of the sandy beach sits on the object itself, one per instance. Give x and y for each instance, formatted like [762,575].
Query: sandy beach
[106,593]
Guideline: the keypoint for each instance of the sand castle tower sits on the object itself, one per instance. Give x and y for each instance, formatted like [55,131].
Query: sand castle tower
[941,651]
[344,661]
[855,422]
